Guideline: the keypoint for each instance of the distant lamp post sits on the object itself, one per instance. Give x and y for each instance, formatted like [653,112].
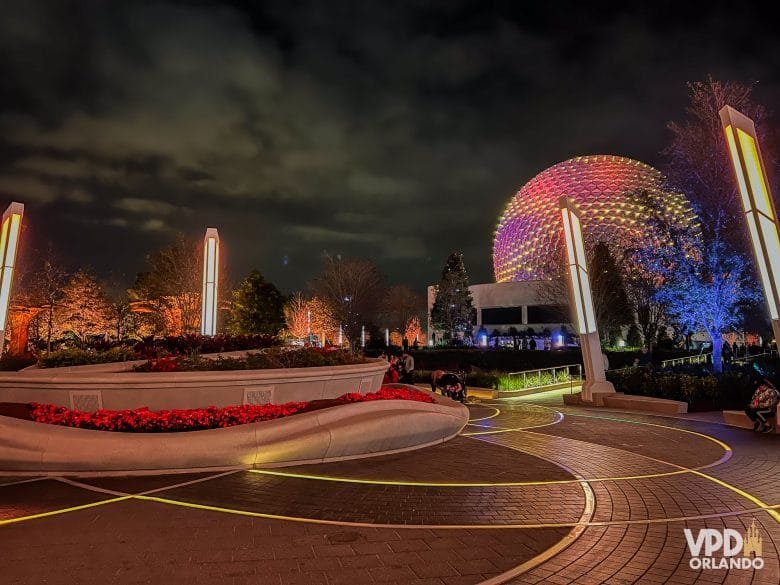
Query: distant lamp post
[580,294]
[760,213]
[208,315]
[9,244]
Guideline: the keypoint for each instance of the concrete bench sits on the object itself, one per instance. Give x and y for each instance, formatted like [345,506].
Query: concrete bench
[645,404]
[738,418]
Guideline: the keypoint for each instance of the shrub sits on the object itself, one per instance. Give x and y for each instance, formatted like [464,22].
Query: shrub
[195,344]
[272,358]
[695,385]
[14,363]
[80,357]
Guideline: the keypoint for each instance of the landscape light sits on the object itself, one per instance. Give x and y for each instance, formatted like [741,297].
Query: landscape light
[9,244]
[580,295]
[757,203]
[208,316]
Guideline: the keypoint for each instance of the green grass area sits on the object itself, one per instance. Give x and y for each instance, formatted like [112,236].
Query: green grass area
[509,383]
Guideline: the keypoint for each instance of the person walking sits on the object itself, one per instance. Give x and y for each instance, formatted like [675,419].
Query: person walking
[407,362]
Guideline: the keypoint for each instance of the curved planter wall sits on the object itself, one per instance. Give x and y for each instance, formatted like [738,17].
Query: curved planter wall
[92,387]
[350,431]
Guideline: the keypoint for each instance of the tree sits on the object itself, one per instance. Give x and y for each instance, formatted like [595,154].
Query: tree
[351,289]
[84,309]
[698,160]
[633,337]
[257,307]
[413,331]
[610,300]
[453,308]
[296,316]
[46,290]
[399,306]
[705,291]
[172,286]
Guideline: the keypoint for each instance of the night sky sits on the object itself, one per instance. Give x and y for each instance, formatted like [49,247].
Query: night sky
[392,130]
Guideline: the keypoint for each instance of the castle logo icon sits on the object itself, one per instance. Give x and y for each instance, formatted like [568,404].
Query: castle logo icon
[753,542]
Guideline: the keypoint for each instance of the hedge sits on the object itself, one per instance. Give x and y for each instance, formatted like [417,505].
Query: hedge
[511,360]
[697,386]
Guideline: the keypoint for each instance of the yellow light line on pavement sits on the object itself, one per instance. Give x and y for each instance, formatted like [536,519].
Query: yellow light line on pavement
[63,510]
[494,415]
[268,516]
[465,484]
[771,509]
[725,446]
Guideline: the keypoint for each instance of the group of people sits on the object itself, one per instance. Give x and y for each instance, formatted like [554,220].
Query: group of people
[400,370]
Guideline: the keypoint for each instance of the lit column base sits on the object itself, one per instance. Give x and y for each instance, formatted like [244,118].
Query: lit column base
[592,392]
[595,379]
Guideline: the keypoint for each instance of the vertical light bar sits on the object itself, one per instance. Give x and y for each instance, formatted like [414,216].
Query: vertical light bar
[341,336]
[757,204]
[9,244]
[578,268]
[387,337]
[595,382]
[362,336]
[208,315]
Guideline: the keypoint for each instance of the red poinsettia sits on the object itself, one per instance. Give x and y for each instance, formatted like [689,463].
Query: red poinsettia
[143,420]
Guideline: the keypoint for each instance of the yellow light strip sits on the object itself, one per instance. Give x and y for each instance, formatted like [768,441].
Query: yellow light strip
[763,271]
[63,510]
[720,443]
[743,190]
[465,485]
[771,509]
[472,420]
[755,174]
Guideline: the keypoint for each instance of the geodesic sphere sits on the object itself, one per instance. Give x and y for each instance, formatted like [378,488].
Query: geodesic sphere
[609,191]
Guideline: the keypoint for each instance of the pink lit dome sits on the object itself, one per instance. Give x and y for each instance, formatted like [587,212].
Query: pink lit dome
[527,243]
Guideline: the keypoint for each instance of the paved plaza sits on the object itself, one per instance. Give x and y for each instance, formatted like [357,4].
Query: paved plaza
[531,492]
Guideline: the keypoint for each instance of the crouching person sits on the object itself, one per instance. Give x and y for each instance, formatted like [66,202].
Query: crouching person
[450,384]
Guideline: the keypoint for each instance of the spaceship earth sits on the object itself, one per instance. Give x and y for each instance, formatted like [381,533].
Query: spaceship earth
[527,243]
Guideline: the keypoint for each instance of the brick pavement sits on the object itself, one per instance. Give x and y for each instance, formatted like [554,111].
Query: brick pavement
[634,533]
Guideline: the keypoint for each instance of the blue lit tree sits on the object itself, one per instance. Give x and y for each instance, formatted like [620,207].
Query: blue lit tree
[706,286]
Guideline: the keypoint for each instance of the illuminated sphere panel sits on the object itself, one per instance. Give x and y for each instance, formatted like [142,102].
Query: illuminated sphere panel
[527,243]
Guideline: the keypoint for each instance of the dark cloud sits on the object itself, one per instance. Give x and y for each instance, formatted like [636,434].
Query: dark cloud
[397,130]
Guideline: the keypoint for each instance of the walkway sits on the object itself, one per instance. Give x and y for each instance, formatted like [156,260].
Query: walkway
[530,493]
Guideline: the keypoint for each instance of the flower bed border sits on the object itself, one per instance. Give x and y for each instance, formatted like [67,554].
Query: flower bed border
[143,420]
[351,431]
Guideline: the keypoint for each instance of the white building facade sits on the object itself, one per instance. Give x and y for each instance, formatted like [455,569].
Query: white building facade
[503,305]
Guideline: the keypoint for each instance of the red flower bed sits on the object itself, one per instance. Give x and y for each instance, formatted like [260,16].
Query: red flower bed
[143,420]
